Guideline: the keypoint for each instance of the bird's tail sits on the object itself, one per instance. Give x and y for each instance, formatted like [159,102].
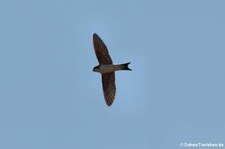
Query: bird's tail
[125,66]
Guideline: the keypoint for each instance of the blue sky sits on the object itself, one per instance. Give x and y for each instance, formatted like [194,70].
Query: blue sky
[50,98]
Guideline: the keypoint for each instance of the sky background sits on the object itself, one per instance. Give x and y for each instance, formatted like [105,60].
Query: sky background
[51,99]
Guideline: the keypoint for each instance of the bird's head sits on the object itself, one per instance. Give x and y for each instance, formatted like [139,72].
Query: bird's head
[96,69]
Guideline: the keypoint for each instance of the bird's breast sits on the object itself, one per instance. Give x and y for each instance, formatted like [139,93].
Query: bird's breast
[107,68]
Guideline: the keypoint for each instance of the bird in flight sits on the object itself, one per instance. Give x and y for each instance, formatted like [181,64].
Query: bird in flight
[107,69]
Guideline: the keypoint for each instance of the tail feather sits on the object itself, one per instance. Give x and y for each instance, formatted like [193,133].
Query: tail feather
[125,66]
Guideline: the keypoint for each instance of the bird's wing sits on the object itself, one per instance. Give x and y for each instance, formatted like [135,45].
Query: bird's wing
[101,50]
[109,87]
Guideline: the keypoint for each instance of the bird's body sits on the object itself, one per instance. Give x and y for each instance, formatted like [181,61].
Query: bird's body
[107,69]
[110,68]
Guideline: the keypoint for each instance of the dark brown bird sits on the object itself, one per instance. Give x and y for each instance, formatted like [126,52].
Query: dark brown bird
[107,69]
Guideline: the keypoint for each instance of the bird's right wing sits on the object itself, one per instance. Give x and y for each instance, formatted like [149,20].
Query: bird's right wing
[101,50]
[109,87]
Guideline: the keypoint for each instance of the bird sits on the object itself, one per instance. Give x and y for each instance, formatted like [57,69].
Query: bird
[107,69]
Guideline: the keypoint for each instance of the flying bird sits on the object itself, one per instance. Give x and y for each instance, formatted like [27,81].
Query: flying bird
[107,69]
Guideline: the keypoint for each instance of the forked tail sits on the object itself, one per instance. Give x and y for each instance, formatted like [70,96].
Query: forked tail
[125,66]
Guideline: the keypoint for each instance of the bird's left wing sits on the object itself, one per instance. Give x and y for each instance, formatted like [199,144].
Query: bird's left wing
[101,50]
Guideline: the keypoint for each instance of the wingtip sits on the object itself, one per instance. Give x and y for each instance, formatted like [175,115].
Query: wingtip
[95,34]
[109,105]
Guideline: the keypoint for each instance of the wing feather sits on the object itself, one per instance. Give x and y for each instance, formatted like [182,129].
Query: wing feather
[109,87]
[101,50]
